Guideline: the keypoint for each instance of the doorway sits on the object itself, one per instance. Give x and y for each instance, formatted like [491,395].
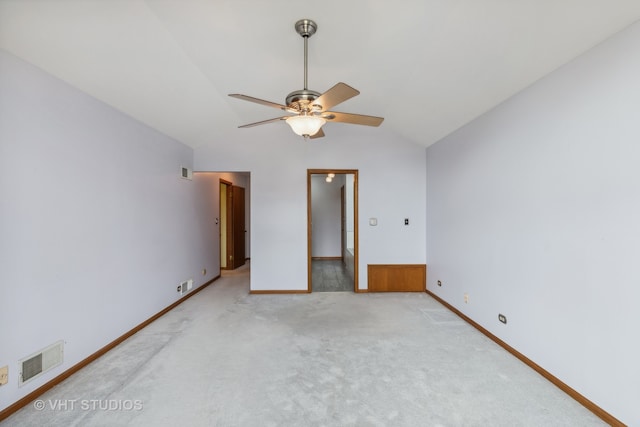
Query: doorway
[232,226]
[332,230]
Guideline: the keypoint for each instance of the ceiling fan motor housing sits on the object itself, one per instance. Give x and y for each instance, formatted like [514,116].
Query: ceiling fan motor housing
[302,100]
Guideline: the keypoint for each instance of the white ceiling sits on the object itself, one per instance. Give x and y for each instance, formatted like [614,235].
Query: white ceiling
[427,66]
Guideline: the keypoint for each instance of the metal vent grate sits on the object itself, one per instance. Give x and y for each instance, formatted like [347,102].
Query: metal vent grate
[31,367]
[186,173]
[40,362]
[185,286]
[182,288]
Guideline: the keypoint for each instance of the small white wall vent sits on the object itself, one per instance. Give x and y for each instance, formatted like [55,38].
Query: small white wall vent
[185,286]
[186,173]
[31,367]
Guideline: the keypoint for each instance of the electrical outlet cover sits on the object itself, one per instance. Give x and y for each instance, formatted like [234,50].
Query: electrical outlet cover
[4,375]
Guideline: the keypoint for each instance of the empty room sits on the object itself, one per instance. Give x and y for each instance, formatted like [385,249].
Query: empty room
[288,213]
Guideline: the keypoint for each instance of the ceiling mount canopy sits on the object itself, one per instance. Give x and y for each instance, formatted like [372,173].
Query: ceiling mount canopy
[306,27]
[310,109]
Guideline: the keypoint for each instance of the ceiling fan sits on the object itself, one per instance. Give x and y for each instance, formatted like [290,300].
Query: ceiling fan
[310,109]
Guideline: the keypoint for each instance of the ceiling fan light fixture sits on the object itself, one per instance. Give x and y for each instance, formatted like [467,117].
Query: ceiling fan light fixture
[305,125]
[311,108]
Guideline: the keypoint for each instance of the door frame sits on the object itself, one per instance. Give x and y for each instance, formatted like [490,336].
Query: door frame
[356,251]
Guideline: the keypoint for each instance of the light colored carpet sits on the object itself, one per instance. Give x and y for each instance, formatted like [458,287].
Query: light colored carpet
[227,358]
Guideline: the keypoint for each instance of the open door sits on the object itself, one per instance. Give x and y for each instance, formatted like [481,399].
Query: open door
[238,227]
[343,223]
[232,226]
[324,247]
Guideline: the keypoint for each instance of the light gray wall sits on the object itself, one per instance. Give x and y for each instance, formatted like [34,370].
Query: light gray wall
[534,211]
[325,216]
[392,186]
[97,228]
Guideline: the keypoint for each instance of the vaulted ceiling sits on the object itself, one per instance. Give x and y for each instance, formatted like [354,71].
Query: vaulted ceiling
[427,66]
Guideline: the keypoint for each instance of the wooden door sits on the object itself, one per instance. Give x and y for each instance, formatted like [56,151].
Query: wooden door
[238,227]
[343,223]
[225,225]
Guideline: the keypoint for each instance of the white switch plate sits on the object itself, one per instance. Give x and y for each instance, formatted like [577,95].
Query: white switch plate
[373,221]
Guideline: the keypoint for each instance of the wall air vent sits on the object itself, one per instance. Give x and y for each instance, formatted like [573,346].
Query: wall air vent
[185,286]
[186,173]
[33,366]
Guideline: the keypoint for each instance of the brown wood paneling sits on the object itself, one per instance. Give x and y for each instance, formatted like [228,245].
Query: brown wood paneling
[397,277]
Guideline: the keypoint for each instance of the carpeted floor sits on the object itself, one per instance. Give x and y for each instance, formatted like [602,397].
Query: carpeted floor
[227,358]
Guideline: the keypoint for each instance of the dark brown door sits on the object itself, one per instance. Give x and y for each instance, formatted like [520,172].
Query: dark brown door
[238,227]
[228,229]
[343,221]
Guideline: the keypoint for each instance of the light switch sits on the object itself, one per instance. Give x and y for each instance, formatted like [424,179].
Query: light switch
[406,221]
[373,221]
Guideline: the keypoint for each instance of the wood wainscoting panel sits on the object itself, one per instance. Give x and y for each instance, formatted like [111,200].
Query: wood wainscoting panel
[397,277]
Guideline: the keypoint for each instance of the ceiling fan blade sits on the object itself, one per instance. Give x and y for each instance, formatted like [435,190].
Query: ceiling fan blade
[258,101]
[356,119]
[334,96]
[318,134]
[264,122]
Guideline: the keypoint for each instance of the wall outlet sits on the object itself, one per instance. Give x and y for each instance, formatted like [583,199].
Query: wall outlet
[466,298]
[439,283]
[4,375]
[502,318]
[204,271]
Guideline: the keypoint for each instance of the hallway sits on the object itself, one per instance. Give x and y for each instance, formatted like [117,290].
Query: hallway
[330,276]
